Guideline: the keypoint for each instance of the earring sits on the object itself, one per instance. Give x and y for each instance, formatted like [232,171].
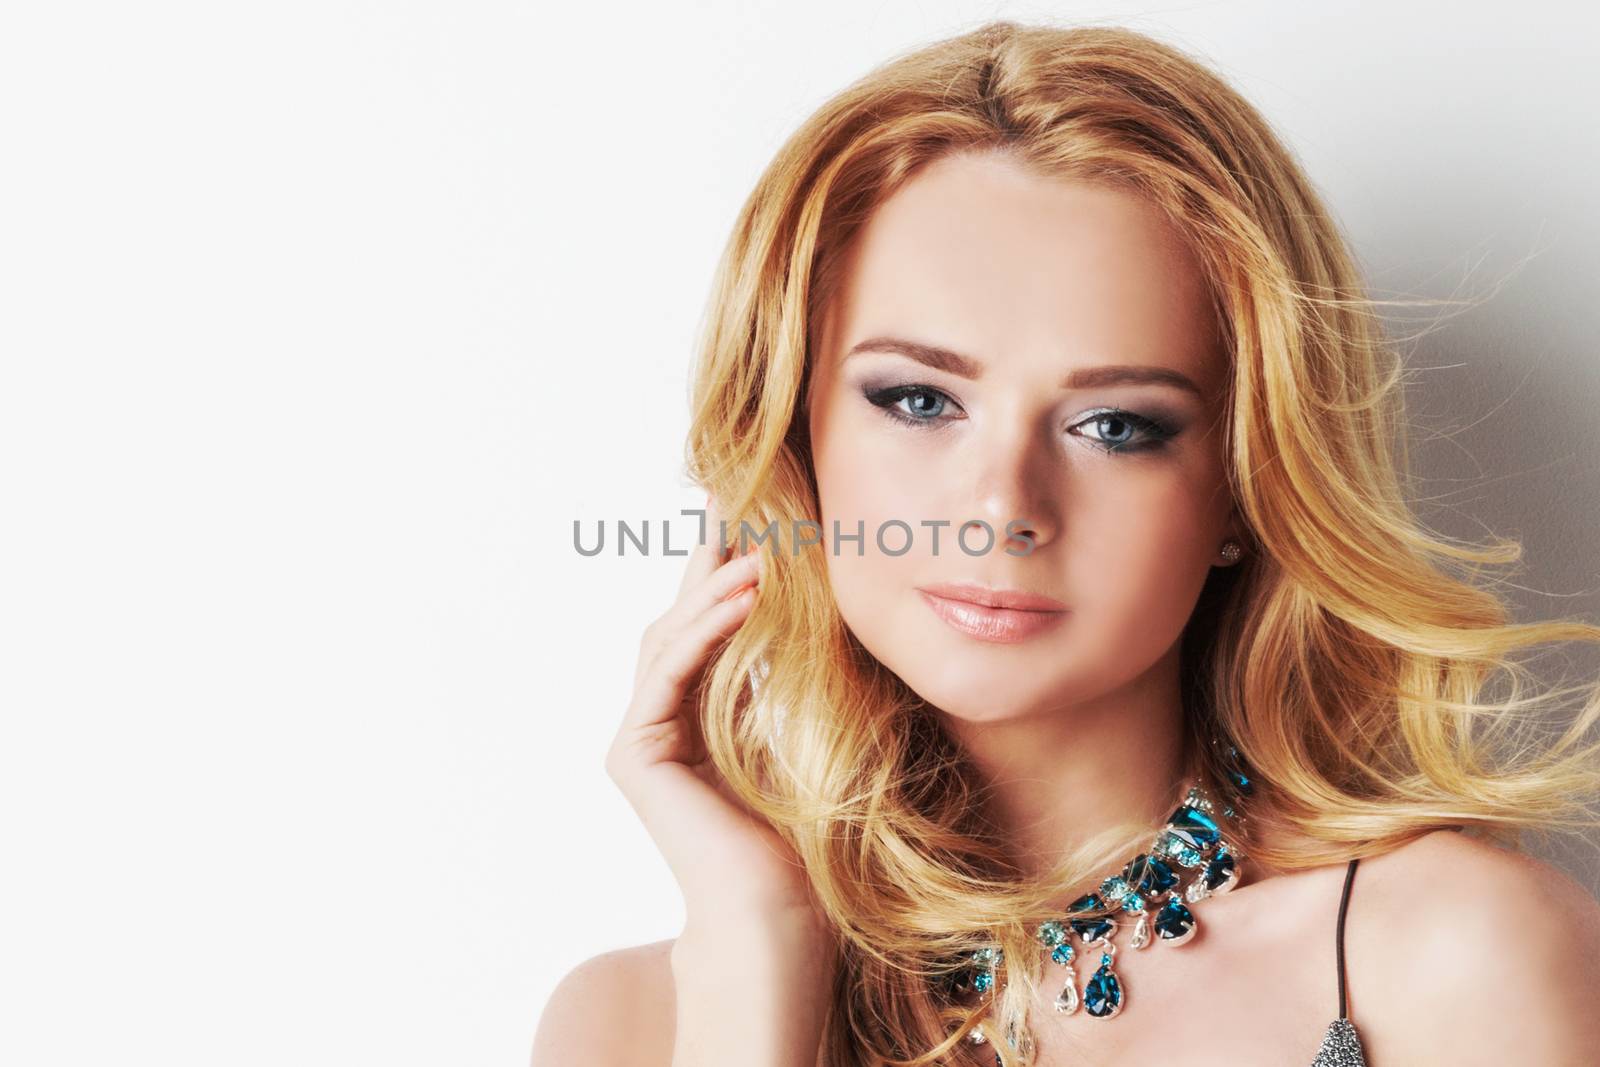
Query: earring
[1231,551]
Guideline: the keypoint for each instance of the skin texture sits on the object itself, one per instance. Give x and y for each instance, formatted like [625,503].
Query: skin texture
[1031,279]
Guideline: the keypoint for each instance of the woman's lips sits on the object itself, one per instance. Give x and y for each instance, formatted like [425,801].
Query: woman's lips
[1001,625]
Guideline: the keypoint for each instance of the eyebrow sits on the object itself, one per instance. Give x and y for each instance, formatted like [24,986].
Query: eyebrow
[1081,378]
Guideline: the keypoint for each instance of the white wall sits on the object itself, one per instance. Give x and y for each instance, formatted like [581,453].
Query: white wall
[321,322]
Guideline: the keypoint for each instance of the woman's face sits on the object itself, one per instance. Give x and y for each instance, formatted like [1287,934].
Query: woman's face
[965,372]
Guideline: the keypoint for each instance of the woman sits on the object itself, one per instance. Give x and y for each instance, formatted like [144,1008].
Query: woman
[1056,389]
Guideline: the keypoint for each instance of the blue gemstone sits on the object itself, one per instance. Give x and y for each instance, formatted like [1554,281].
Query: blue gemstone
[1062,953]
[1089,929]
[1051,933]
[983,981]
[1150,875]
[1184,851]
[1103,993]
[1218,869]
[1241,783]
[1117,890]
[1174,920]
[1196,826]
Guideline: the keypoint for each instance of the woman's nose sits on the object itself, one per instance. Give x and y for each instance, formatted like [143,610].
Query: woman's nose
[1013,486]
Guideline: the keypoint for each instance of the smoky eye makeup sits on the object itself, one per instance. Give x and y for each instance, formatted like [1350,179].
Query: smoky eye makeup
[1114,429]
[1121,430]
[912,403]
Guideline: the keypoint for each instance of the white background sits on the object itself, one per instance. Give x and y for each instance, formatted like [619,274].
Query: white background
[322,322]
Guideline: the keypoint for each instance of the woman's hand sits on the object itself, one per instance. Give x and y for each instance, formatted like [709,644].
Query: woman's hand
[732,867]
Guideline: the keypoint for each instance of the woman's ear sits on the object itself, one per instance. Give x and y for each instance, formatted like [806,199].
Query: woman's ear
[1238,529]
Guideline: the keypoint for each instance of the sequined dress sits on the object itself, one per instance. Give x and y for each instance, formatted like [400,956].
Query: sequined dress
[1341,1045]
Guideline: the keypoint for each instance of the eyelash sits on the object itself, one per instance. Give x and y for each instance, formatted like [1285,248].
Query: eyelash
[1157,433]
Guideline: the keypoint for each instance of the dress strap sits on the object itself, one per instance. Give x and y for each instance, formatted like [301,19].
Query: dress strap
[1344,905]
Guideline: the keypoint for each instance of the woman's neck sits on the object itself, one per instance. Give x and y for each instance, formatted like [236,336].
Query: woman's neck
[1062,775]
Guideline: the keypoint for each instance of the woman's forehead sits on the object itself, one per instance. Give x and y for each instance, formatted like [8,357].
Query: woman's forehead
[981,254]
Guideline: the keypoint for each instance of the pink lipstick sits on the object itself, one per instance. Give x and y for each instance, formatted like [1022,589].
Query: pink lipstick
[1003,616]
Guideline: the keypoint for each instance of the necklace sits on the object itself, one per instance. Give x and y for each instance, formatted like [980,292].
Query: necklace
[1188,860]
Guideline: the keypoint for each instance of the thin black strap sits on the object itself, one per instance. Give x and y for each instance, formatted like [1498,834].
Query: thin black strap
[1344,904]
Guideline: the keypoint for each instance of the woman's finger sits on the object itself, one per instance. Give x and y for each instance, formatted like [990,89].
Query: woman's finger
[661,689]
[722,583]
[708,552]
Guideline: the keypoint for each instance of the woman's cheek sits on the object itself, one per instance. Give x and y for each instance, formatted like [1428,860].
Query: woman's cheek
[1141,563]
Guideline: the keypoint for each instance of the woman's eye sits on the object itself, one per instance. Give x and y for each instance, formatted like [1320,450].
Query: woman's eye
[1126,431]
[1114,429]
[915,405]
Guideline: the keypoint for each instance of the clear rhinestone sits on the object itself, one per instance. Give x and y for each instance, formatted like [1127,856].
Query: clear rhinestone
[1141,933]
[1067,1000]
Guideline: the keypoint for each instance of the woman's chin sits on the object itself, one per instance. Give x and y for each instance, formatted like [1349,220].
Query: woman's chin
[973,703]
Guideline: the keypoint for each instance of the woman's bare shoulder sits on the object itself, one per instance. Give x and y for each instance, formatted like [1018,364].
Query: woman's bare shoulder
[1451,867]
[1440,888]
[1490,933]
[612,1010]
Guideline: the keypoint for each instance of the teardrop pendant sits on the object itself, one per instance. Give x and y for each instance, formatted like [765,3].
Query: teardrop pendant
[1175,924]
[1141,932]
[1067,999]
[1103,996]
[1053,935]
